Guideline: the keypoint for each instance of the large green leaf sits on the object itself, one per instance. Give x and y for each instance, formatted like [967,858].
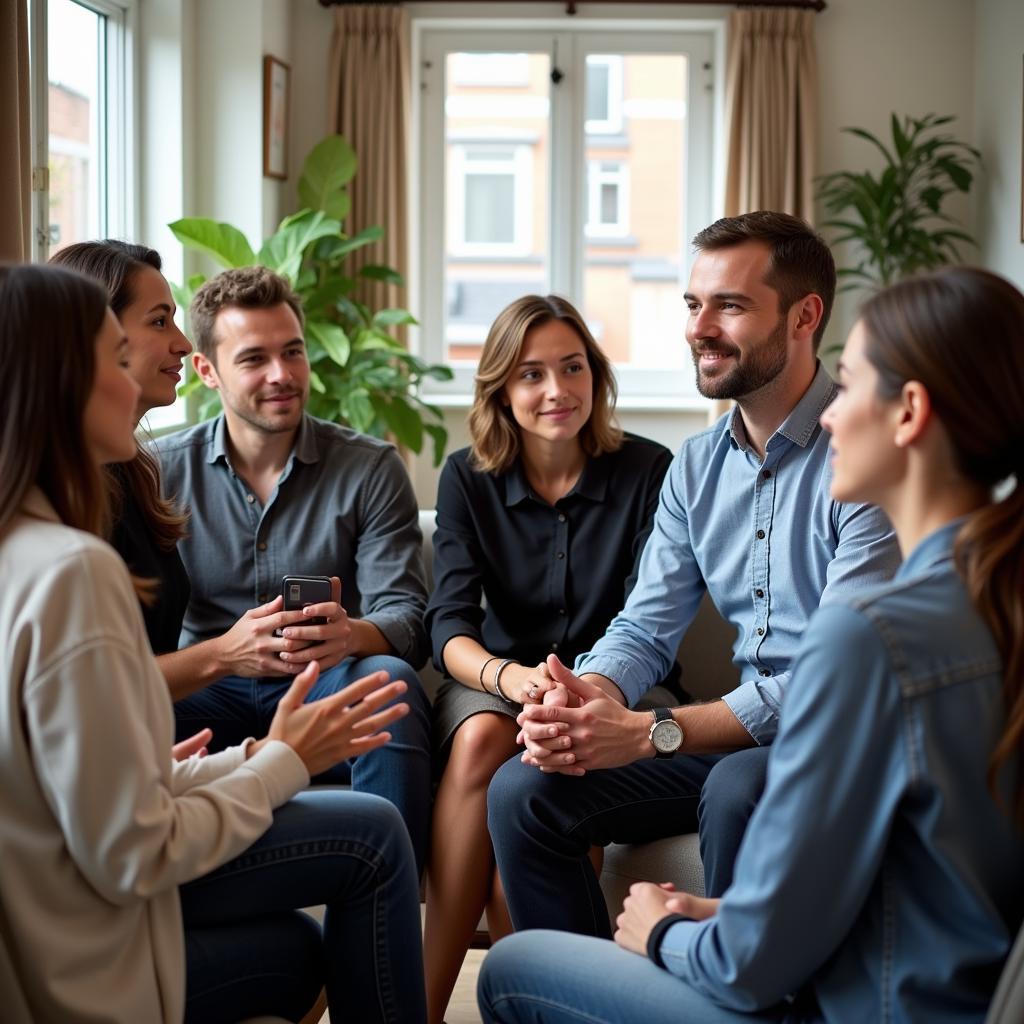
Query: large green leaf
[329,167]
[332,338]
[226,244]
[374,272]
[404,422]
[284,250]
[393,318]
[440,439]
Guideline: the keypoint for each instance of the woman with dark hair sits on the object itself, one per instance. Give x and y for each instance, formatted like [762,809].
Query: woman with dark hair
[880,876]
[544,516]
[146,527]
[107,846]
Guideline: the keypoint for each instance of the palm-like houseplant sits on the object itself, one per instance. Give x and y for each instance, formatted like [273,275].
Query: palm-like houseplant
[360,374]
[896,217]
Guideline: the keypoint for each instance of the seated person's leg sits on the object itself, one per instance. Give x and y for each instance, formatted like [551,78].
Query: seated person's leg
[400,770]
[564,979]
[350,852]
[542,827]
[727,801]
[228,708]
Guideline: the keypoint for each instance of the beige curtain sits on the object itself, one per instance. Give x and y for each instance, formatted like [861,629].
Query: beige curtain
[369,83]
[15,162]
[771,96]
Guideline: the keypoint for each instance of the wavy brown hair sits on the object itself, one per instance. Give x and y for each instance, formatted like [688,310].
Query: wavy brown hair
[49,322]
[931,329]
[116,266]
[494,432]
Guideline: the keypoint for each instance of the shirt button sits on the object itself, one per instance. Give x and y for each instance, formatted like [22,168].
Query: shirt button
[561,517]
[766,474]
[765,672]
[759,592]
[760,631]
[262,547]
[560,554]
[250,498]
[561,611]
[554,647]
[760,534]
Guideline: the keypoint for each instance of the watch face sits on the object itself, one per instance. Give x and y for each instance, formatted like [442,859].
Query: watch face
[667,737]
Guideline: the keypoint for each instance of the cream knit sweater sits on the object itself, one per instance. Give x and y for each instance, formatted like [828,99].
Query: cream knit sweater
[98,826]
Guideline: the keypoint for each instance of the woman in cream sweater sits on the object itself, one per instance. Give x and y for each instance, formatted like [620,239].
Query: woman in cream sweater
[133,888]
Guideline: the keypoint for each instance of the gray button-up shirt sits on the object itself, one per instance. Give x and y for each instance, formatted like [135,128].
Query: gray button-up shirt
[344,506]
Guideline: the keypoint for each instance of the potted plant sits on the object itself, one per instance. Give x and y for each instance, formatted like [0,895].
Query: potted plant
[360,374]
[896,217]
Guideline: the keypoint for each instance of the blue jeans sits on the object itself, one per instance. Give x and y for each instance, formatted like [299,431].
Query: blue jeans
[542,827]
[234,708]
[250,951]
[552,978]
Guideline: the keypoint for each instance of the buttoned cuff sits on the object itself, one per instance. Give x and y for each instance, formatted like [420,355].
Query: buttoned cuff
[756,709]
[620,671]
[407,640]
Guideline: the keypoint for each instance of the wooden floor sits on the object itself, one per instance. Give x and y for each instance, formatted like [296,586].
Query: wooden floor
[462,1009]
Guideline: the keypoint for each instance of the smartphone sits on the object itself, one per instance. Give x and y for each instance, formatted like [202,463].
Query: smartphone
[300,591]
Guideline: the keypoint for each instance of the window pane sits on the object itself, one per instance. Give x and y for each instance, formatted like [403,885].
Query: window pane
[597,91]
[76,62]
[490,208]
[497,153]
[632,295]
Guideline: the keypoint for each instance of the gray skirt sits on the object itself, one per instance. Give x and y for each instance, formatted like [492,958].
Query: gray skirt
[454,703]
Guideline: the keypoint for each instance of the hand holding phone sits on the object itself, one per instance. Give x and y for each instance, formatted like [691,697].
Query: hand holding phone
[299,592]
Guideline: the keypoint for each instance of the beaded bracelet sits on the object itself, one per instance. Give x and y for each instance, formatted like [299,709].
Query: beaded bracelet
[497,680]
[482,667]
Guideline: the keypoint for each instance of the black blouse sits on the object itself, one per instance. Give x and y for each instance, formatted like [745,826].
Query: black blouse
[135,544]
[553,576]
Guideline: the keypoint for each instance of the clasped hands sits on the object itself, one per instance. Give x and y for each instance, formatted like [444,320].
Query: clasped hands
[577,727]
[251,649]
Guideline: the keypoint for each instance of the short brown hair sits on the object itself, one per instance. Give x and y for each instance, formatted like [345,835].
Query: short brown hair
[799,260]
[494,432]
[243,288]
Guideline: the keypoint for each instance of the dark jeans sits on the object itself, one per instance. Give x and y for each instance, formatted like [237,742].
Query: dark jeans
[251,952]
[542,827]
[234,708]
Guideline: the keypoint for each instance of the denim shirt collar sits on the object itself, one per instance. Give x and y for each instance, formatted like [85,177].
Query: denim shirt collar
[931,552]
[592,483]
[801,424]
[305,447]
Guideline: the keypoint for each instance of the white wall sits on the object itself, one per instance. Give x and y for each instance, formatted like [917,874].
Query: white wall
[999,127]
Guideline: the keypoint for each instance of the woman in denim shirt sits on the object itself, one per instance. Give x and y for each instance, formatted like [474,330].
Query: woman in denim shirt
[880,878]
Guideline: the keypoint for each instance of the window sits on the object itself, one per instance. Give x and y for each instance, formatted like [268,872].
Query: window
[607,202]
[498,69]
[603,94]
[588,183]
[82,51]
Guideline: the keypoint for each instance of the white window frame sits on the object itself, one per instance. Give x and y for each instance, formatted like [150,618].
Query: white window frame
[612,124]
[703,40]
[520,166]
[116,120]
[597,177]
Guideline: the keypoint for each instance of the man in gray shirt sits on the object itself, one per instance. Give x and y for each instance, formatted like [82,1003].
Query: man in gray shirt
[274,492]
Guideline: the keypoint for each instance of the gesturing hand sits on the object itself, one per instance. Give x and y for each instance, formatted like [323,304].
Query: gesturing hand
[343,725]
[647,904]
[193,745]
[328,643]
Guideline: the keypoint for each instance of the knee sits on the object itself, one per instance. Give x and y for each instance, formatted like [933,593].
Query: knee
[481,744]
[505,959]
[734,786]
[415,696]
[510,797]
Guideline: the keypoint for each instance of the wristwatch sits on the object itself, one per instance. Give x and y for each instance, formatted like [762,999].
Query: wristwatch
[666,735]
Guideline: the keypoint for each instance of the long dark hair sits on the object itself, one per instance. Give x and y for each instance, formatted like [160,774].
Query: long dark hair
[960,333]
[49,322]
[116,265]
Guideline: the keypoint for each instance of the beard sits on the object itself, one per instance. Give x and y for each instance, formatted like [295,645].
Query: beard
[763,362]
[250,410]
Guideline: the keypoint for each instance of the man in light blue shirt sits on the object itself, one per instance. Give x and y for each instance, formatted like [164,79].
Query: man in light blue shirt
[745,514]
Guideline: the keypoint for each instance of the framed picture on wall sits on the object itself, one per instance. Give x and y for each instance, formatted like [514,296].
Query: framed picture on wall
[275,117]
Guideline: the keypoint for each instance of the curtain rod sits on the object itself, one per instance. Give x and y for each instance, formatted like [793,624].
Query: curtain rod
[570,8]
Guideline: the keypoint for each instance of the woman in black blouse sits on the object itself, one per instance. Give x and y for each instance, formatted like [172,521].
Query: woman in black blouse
[544,517]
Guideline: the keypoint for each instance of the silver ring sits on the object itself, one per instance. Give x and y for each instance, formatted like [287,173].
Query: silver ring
[533,692]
